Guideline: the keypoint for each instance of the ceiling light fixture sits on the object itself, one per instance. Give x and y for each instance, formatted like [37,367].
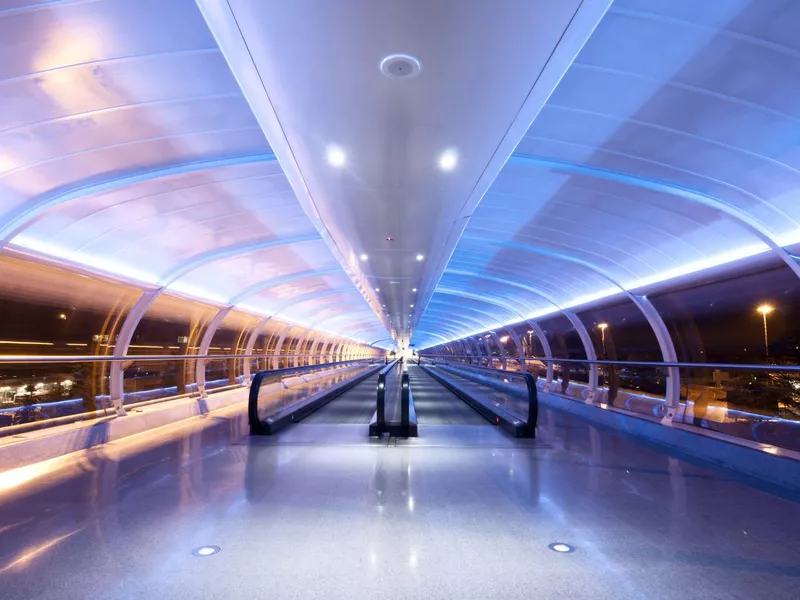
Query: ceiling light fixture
[206,550]
[561,547]
[448,160]
[420,257]
[414,290]
[400,66]
[377,289]
[336,157]
[363,257]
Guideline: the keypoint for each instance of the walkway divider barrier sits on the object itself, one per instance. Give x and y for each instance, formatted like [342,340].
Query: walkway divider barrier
[394,389]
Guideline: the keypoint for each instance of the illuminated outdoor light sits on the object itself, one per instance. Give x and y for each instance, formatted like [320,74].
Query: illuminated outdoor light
[448,160]
[62,316]
[504,339]
[602,327]
[765,309]
[206,550]
[420,257]
[336,157]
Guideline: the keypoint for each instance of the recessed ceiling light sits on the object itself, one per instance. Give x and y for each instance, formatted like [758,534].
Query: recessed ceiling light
[363,257]
[412,306]
[377,289]
[400,66]
[448,160]
[389,238]
[414,290]
[420,257]
[561,547]
[336,157]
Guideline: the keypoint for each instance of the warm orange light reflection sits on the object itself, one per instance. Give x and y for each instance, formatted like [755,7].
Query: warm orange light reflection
[26,556]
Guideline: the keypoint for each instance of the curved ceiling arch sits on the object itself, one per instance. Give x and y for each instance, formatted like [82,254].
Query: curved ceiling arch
[16,220]
[748,222]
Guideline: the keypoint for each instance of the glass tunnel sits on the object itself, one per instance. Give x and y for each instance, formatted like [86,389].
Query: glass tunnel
[290,281]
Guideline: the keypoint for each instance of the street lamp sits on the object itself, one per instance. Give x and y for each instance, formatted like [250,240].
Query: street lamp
[602,327]
[530,351]
[765,309]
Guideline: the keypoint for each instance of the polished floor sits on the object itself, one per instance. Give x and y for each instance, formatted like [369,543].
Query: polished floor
[462,512]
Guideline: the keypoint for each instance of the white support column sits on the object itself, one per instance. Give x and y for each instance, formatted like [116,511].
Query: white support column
[518,344]
[548,353]
[298,349]
[337,351]
[473,344]
[591,354]
[274,362]
[117,386]
[668,353]
[502,349]
[202,351]
[348,346]
[313,348]
[251,343]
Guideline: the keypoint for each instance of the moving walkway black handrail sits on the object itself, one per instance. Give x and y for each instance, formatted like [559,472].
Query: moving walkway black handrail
[405,403]
[381,398]
[255,386]
[532,393]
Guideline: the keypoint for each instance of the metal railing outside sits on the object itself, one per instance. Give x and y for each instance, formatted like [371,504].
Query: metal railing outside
[45,391]
[754,402]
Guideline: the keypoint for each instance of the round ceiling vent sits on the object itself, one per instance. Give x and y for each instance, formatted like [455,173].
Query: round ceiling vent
[400,66]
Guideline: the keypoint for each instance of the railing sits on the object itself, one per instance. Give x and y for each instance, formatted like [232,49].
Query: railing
[521,385]
[44,391]
[378,424]
[404,424]
[271,395]
[755,402]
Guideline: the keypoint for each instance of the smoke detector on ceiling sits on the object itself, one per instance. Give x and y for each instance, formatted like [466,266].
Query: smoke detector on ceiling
[400,66]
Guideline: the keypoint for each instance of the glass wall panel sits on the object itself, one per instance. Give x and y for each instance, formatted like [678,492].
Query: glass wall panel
[47,311]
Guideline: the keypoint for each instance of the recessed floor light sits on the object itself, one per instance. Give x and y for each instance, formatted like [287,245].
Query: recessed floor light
[561,547]
[206,550]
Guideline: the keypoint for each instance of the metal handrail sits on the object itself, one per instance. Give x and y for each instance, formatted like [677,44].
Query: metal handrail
[625,363]
[19,359]
[532,393]
[380,409]
[405,403]
[255,386]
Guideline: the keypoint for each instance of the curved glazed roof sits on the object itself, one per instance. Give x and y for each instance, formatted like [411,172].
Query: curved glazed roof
[127,146]
[601,146]
[670,145]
